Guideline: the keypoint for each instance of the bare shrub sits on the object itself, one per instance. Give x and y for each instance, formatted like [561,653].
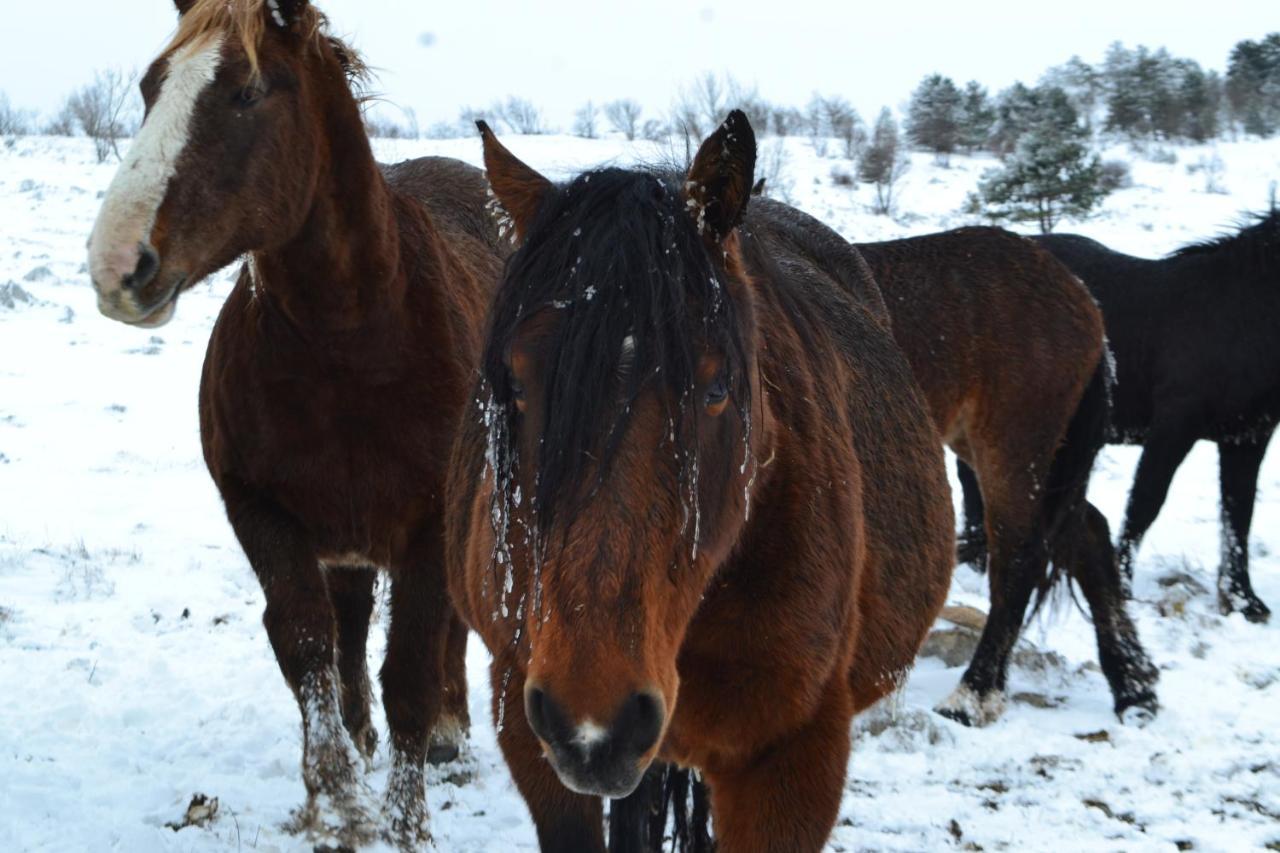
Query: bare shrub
[380,126]
[1212,169]
[1116,175]
[520,116]
[104,110]
[773,169]
[624,117]
[586,120]
[13,122]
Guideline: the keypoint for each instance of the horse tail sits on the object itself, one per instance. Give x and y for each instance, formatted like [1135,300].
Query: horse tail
[1068,481]
[668,795]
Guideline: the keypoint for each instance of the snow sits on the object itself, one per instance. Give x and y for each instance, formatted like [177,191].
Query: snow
[136,673]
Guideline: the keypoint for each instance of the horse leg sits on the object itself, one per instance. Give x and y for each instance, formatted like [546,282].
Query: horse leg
[300,625]
[789,798]
[566,822]
[971,547]
[412,682]
[1165,448]
[1016,567]
[449,736]
[1083,547]
[1238,465]
[351,594]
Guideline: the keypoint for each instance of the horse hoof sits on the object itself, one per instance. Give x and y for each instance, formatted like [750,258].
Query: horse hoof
[366,743]
[1246,604]
[972,551]
[967,708]
[443,753]
[1138,715]
[448,741]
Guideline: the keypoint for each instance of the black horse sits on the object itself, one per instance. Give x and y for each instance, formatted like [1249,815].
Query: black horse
[1197,357]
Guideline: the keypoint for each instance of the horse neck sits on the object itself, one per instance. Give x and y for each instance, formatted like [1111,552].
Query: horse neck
[345,269]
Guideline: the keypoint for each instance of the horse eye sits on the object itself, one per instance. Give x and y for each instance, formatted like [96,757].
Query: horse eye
[717,392]
[249,95]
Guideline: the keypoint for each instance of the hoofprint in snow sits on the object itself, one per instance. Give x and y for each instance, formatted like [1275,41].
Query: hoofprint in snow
[136,673]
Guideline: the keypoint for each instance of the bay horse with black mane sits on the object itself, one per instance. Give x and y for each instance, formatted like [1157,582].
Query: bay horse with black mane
[700,513]
[1007,346]
[1197,357]
[335,376]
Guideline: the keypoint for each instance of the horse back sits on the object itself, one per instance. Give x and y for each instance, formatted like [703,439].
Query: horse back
[988,319]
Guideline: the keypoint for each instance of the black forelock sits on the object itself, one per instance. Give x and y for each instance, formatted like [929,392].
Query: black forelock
[615,255]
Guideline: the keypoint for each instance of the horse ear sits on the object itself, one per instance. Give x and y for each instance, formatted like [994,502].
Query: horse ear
[719,183]
[284,13]
[184,6]
[518,188]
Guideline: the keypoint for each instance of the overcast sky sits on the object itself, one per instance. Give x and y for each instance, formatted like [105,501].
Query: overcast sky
[438,56]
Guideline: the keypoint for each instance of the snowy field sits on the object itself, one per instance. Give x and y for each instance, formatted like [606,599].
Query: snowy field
[134,671]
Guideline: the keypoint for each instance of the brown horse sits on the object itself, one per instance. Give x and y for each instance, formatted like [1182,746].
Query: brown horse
[701,515]
[1007,346]
[336,374]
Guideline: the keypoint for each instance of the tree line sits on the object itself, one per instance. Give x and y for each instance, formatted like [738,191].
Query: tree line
[1042,134]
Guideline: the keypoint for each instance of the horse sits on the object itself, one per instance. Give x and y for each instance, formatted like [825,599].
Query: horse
[1196,358]
[336,374]
[1007,346]
[699,514]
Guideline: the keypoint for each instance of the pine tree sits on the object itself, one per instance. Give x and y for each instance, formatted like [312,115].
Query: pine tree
[883,162]
[934,116]
[977,117]
[1014,110]
[1252,85]
[1051,173]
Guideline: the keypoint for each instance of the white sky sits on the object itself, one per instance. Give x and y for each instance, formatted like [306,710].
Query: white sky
[560,53]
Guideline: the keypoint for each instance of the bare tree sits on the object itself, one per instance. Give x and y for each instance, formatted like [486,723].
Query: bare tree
[624,116]
[62,123]
[13,122]
[585,120]
[520,116]
[707,97]
[654,130]
[380,126]
[104,109]
[787,121]
[772,168]
[467,118]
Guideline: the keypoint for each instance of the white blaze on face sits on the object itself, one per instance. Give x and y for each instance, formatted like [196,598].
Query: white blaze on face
[133,200]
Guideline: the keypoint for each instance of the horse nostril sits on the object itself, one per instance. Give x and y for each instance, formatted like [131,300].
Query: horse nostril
[542,713]
[640,722]
[148,266]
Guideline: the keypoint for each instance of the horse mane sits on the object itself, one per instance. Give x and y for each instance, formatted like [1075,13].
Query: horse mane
[1253,248]
[246,21]
[618,256]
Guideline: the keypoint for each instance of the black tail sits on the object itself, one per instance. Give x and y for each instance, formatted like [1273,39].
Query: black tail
[1068,481]
[668,795]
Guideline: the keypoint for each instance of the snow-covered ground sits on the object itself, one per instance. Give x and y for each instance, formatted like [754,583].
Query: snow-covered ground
[134,671]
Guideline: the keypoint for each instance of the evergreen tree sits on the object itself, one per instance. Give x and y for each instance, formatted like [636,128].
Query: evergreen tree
[934,116]
[1015,109]
[1051,173]
[1252,86]
[883,162]
[1082,83]
[977,117]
